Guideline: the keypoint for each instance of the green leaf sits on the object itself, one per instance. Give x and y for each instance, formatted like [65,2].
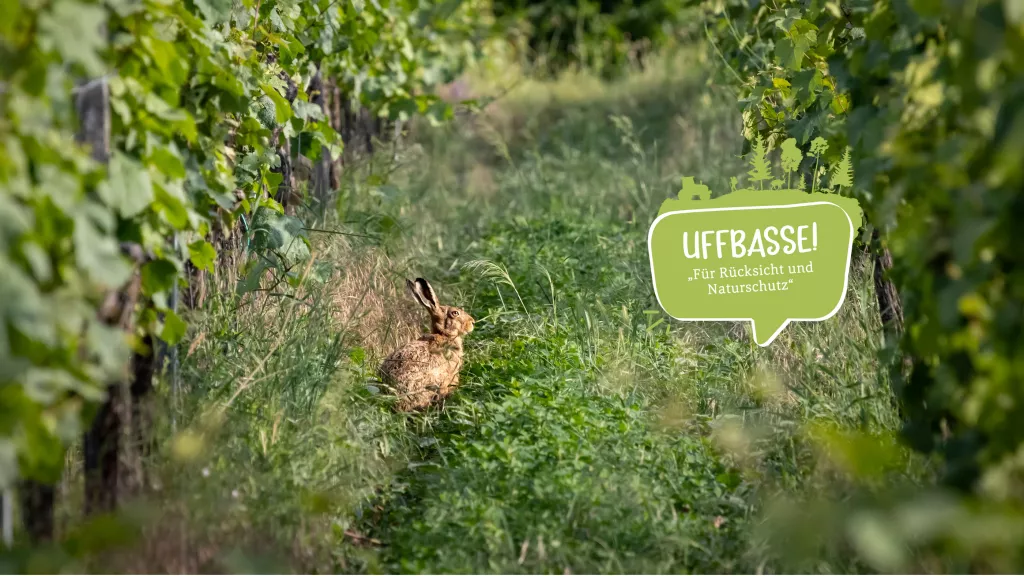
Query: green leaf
[42,453]
[790,51]
[876,539]
[279,233]
[158,276]
[808,84]
[1014,10]
[22,307]
[840,104]
[128,188]
[15,220]
[174,328]
[251,280]
[202,255]
[167,59]
[75,31]
[272,180]
[110,350]
[168,161]
[98,255]
[282,110]
[307,111]
[172,206]
[439,112]
[38,261]
[215,12]
[272,204]
[786,54]
[164,111]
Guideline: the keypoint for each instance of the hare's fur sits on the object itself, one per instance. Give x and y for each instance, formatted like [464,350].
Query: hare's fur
[427,369]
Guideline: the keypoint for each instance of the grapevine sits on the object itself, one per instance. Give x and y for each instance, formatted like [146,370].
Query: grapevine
[199,94]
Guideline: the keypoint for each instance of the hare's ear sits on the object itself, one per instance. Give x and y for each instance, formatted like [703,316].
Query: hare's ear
[428,292]
[423,293]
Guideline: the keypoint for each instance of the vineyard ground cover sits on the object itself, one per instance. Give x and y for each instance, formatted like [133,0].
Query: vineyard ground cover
[590,434]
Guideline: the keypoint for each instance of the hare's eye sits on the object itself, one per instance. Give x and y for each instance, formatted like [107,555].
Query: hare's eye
[453,313]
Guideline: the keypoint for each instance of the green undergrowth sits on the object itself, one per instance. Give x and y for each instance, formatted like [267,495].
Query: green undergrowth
[548,458]
[591,433]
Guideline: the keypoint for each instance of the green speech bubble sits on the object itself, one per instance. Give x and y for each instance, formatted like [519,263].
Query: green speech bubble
[770,257]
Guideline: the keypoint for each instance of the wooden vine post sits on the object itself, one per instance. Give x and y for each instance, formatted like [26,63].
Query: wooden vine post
[321,181]
[889,306]
[100,442]
[336,121]
[143,370]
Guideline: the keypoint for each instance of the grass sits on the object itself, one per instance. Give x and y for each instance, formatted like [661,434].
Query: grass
[591,433]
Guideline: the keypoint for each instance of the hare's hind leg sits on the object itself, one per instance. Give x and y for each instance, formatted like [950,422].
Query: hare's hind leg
[412,400]
[449,384]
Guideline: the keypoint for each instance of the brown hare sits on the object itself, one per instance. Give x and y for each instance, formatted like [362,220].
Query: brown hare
[427,369]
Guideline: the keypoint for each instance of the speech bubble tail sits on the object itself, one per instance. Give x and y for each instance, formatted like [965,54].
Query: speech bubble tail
[765,330]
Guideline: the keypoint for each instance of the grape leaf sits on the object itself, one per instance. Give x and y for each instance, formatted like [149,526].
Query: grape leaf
[202,255]
[128,188]
[75,31]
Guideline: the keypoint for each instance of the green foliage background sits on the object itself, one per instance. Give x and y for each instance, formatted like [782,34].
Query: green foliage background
[928,96]
[600,35]
[196,90]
